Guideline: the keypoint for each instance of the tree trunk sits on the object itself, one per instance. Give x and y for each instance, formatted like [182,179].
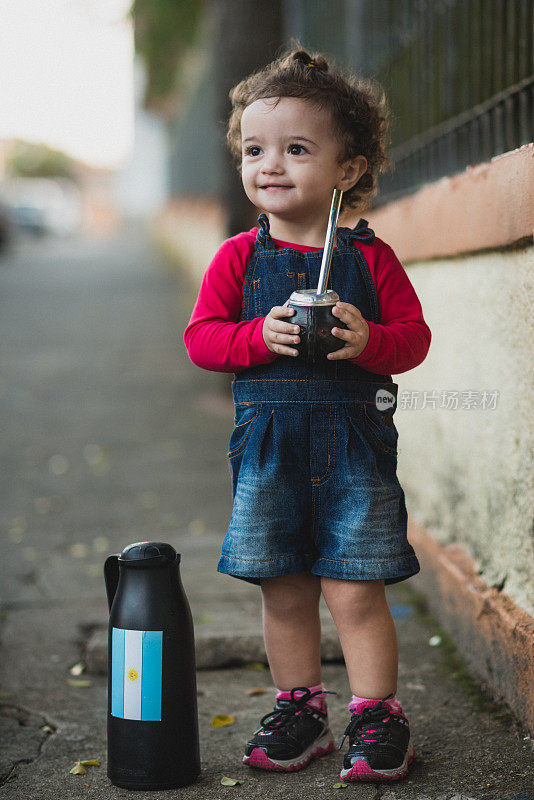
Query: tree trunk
[248,35]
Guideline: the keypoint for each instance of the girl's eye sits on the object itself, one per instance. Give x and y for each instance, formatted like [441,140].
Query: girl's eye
[296,149]
[252,150]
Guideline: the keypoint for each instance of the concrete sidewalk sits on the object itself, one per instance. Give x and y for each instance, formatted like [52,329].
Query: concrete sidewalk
[111,436]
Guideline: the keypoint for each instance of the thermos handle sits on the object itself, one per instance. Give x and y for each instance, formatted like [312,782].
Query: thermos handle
[111,576]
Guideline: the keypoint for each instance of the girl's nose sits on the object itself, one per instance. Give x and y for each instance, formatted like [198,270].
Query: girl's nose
[271,163]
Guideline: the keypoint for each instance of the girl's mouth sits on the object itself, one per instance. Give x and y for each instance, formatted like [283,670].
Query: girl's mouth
[275,187]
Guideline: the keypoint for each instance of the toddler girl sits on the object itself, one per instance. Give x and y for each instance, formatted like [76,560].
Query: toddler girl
[318,507]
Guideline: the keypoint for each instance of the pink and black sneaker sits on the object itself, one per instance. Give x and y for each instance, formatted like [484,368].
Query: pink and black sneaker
[380,747]
[291,735]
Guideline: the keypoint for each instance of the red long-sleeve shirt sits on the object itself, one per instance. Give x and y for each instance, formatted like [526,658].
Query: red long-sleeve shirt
[217,340]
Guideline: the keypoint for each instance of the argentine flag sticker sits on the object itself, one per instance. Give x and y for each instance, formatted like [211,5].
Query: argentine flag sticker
[136,674]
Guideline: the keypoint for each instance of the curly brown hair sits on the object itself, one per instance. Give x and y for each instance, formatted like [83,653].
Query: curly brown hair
[358,107]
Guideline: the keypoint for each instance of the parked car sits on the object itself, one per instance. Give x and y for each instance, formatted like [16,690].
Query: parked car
[43,205]
[29,218]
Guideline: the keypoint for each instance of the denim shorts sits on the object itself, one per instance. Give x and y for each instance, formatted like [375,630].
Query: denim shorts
[315,490]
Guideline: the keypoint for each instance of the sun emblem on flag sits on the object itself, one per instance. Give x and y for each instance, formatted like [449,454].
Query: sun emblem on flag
[133,674]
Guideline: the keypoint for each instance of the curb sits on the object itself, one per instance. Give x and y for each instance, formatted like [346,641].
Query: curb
[493,634]
[212,650]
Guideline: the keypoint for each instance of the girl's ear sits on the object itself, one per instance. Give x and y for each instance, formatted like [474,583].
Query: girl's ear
[351,172]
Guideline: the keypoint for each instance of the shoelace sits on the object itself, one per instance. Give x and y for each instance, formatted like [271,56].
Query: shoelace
[360,725]
[278,718]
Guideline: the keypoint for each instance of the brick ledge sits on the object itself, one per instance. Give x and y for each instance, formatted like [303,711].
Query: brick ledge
[494,635]
[487,206]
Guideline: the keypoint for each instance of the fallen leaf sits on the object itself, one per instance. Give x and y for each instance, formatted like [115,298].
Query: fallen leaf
[17,529]
[221,720]
[197,526]
[42,504]
[47,729]
[101,544]
[79,767]
[78,550]
[340,785]
[97,459]
[148,499]
[417,687]
[58,464]
[92,453]
[77,669]
[170,520]
[79,683]
[230,781]
[257,665]
[255,691]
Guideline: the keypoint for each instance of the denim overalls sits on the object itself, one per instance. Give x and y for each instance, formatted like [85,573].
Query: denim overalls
[313,456]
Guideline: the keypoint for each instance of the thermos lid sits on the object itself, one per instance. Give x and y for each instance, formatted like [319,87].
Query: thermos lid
[309,297]
[146,553]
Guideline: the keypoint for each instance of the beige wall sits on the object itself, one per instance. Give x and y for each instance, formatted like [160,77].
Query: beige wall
[468,473]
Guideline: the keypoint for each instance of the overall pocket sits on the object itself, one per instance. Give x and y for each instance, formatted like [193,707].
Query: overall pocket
[381,427]
[275,278]
[245,417]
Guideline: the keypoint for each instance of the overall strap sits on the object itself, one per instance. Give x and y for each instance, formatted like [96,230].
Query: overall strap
[263,237]
[361,232]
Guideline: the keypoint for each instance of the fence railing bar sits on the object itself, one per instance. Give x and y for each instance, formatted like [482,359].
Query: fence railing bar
[402,151]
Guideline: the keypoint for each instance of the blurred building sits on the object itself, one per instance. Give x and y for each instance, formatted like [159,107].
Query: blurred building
[142,184]
[59,196]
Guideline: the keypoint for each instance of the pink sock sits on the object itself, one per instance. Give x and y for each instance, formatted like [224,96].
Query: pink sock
[357,704]
[318,702]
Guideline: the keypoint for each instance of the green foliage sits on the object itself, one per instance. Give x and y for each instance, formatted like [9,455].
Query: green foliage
[164,30]
[31,160]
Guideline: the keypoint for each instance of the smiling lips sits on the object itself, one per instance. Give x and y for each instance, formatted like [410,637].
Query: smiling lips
[276,186]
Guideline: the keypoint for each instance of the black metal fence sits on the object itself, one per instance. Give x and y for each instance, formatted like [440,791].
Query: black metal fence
[459,75]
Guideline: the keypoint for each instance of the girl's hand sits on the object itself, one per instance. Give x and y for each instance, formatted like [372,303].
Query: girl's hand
[277,334]
[357,335]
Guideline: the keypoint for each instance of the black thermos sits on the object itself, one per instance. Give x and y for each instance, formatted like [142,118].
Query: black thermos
[152,700]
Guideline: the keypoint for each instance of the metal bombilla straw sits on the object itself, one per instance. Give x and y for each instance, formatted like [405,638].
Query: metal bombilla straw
[329,242]
[313,307]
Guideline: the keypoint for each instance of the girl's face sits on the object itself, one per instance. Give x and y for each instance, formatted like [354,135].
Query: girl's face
[290,161]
